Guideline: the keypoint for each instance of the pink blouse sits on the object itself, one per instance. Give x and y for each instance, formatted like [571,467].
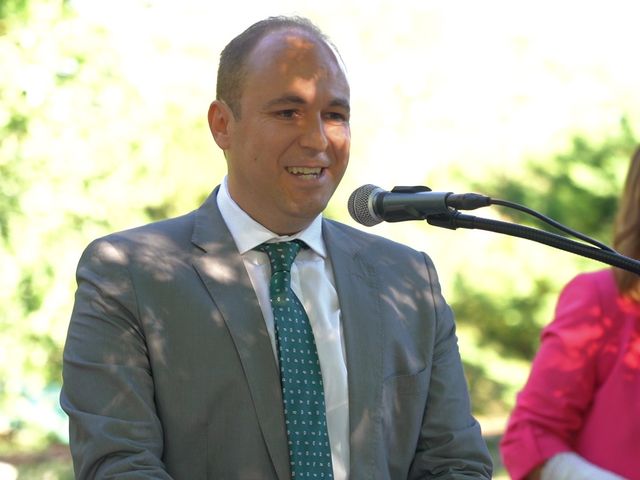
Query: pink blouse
[583,392]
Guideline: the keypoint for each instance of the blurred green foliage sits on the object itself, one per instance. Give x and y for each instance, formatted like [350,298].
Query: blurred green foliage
[579,188]
[10,10]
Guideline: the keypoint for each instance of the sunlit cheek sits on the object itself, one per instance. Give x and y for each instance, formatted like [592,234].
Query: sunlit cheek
[340,139]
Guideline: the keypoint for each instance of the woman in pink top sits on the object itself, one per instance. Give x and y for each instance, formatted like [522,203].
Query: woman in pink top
[578,416]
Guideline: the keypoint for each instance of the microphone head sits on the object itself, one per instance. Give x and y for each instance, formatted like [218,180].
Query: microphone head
[360,205]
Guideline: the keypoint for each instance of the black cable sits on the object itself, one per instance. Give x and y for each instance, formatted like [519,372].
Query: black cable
[456,220]
[553,223]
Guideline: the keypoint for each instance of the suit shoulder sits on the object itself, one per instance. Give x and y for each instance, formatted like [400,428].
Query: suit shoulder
[167,227]
[361,239]
[164,235]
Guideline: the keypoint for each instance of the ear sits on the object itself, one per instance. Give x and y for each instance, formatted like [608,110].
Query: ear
[221,123]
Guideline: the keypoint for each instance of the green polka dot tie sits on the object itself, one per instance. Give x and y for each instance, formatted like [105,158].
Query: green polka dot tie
[300,375]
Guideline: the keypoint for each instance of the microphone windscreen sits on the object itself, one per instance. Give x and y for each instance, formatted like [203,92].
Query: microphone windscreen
[358,206]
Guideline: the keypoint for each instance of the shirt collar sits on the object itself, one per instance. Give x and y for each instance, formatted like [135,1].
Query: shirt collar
[248,234]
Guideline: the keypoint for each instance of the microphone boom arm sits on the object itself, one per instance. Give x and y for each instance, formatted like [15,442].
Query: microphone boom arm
[456,220]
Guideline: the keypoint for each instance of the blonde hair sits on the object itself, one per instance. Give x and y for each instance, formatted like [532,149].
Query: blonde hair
[626,236]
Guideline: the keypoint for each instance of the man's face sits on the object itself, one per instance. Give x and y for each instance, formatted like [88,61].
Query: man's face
[290,147]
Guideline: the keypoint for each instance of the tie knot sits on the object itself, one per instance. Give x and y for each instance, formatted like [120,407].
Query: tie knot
[281,254]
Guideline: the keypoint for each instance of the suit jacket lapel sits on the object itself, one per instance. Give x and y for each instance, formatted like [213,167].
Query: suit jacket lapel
[223,272]
[357,285]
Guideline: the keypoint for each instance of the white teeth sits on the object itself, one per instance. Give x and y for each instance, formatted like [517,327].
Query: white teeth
[304,170]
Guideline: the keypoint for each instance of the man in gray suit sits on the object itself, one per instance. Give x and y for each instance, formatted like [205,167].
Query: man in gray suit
[173,361]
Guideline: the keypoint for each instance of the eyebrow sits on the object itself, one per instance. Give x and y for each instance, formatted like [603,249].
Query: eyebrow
[341,102]
[297,100]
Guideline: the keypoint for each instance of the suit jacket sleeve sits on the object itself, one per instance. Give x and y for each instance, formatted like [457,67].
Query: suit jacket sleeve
[108,388]
[450,444]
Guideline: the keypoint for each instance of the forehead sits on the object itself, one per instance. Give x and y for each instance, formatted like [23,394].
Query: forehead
[288,54]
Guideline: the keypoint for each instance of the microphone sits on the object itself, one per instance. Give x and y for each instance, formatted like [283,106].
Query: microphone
[370,205]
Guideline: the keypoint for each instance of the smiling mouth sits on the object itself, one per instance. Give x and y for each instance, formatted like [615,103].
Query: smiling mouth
[305,172]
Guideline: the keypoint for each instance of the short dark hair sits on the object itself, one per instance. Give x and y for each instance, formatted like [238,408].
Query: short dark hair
[233,58]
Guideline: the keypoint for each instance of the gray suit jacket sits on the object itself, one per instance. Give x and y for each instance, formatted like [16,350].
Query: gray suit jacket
[169,371]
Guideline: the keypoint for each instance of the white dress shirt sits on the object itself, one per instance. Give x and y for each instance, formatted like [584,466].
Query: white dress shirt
[313,282]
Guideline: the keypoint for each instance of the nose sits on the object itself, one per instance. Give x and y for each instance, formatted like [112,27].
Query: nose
[314,135]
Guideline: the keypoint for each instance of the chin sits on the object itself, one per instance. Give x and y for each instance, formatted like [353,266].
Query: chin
[307,212]
[308,205]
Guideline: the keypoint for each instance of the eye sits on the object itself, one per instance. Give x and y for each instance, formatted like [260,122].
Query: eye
[337,117]
[287,113]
